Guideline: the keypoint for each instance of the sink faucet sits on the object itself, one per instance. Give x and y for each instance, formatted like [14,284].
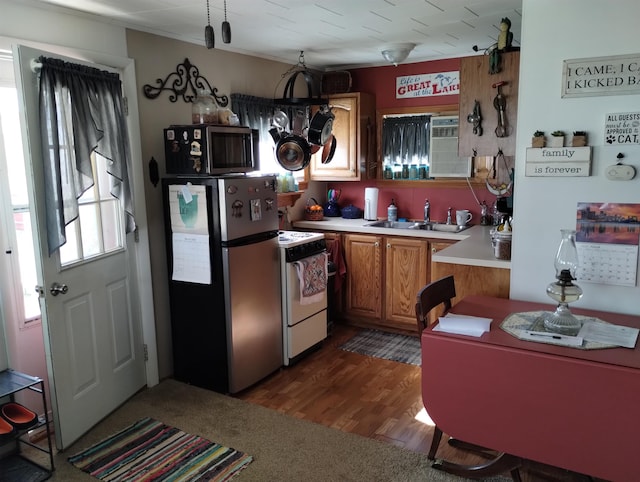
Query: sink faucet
[427,211]
[449,215]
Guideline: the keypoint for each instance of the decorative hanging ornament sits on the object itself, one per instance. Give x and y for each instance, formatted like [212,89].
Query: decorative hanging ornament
[208,31]
[226,27]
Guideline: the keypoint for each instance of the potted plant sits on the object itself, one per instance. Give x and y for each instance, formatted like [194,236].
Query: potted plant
[579,139]
[538,139]
[557,139]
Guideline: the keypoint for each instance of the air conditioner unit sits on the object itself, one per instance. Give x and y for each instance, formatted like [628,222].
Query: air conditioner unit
[443,149]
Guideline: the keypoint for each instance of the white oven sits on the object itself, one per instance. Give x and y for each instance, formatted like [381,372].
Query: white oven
[304,320]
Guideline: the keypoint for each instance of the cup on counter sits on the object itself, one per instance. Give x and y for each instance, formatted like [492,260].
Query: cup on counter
[463,216]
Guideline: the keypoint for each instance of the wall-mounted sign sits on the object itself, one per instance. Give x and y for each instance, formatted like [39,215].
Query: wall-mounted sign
[427,85]
[615,75]
[622,128]
[558,162]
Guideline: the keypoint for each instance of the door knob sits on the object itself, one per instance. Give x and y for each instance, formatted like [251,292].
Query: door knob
[57,288]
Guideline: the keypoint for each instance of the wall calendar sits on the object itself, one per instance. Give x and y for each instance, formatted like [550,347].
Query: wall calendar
[607,238]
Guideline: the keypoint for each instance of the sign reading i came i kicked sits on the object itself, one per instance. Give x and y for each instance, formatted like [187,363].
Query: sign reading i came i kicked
[558,161]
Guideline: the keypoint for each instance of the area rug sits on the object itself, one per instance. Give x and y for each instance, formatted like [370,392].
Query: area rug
[152,451]
[390,346]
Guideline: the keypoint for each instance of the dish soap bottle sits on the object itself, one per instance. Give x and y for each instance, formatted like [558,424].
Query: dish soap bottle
[392,211]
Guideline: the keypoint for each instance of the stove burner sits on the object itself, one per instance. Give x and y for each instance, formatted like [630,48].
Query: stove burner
[292,238]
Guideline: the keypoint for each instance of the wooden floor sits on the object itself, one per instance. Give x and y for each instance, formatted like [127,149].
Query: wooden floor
[372,397]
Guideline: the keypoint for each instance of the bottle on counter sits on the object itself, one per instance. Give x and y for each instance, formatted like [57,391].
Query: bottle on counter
[291,182]
[392,211]
[485,217]
[495,215]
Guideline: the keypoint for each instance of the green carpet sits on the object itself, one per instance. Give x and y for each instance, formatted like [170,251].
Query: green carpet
[284,449]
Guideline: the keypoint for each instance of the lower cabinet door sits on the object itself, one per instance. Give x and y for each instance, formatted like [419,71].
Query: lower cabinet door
[363,257]
[406,263]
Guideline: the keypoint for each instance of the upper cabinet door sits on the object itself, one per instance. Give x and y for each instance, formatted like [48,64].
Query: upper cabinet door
[354,131]
[476,84]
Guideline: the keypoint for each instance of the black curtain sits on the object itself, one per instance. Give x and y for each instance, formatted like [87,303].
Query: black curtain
[405,139]
[257,112]
[81,112]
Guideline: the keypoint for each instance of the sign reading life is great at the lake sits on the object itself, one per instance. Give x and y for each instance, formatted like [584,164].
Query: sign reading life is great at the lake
[558,162]
[427,85]
[614,75]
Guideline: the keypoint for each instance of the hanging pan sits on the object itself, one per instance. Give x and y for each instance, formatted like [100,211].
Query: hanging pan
[329,149]
[293,152]
[320,126]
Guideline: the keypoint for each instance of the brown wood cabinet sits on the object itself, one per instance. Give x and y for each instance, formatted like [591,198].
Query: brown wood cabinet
[470,280]
[402,263]
[354,130]
[406,262]
[336,297]
[477,84]
[385,273]
[363,294]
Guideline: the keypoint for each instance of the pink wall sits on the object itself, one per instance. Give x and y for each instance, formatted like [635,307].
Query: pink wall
[410,200]
[381,81]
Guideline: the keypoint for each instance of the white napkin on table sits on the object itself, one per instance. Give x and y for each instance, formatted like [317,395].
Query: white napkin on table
[463,324]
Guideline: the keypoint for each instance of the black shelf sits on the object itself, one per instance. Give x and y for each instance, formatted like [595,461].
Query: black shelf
[16,465]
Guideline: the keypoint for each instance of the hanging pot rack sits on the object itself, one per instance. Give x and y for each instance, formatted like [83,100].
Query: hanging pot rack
[300,70]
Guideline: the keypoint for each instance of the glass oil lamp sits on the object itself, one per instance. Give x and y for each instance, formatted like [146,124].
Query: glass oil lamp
[563,290]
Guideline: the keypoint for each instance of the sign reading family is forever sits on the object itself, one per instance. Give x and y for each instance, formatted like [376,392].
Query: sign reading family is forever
[615,75]
[427,85]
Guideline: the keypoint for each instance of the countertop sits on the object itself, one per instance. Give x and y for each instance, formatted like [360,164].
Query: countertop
[473,246]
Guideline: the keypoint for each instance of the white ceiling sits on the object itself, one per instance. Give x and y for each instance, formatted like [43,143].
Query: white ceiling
[334,34]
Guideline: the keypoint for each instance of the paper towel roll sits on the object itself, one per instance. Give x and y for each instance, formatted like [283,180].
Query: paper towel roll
[371,203]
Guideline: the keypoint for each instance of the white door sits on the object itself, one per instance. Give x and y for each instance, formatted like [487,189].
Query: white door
[93,337]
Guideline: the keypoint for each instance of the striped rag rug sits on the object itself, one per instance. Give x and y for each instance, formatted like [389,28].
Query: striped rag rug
[152,451]
[390,346]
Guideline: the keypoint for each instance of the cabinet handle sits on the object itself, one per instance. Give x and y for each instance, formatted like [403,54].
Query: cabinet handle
[434,250]
[388,245]
[376,244]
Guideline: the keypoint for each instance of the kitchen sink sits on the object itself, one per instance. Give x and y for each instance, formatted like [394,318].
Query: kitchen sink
[449,228]
[397,225]
[427,226]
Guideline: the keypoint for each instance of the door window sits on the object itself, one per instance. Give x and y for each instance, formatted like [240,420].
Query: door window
[99,228]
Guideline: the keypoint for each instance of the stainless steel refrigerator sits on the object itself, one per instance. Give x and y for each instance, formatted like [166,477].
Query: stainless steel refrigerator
[224,279]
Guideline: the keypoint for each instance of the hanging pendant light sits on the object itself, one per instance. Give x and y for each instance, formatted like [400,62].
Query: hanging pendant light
[226,27]
[208,31]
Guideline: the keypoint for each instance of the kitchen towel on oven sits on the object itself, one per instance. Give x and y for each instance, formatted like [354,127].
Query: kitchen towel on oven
[312,273]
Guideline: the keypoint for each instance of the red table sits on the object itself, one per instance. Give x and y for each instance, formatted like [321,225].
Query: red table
[570,408]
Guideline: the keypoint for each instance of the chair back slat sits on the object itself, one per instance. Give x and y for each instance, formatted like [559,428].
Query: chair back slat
[440,292]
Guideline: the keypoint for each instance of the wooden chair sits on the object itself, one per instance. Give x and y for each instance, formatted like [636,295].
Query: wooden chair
[440,292]
[431,296]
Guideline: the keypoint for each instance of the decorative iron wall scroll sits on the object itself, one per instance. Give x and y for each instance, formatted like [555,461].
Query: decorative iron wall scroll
[184,82]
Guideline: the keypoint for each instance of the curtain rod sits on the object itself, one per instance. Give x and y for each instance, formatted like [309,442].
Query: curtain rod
[35,65]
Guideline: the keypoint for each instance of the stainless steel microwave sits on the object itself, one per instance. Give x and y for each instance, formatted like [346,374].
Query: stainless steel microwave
[209,150]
